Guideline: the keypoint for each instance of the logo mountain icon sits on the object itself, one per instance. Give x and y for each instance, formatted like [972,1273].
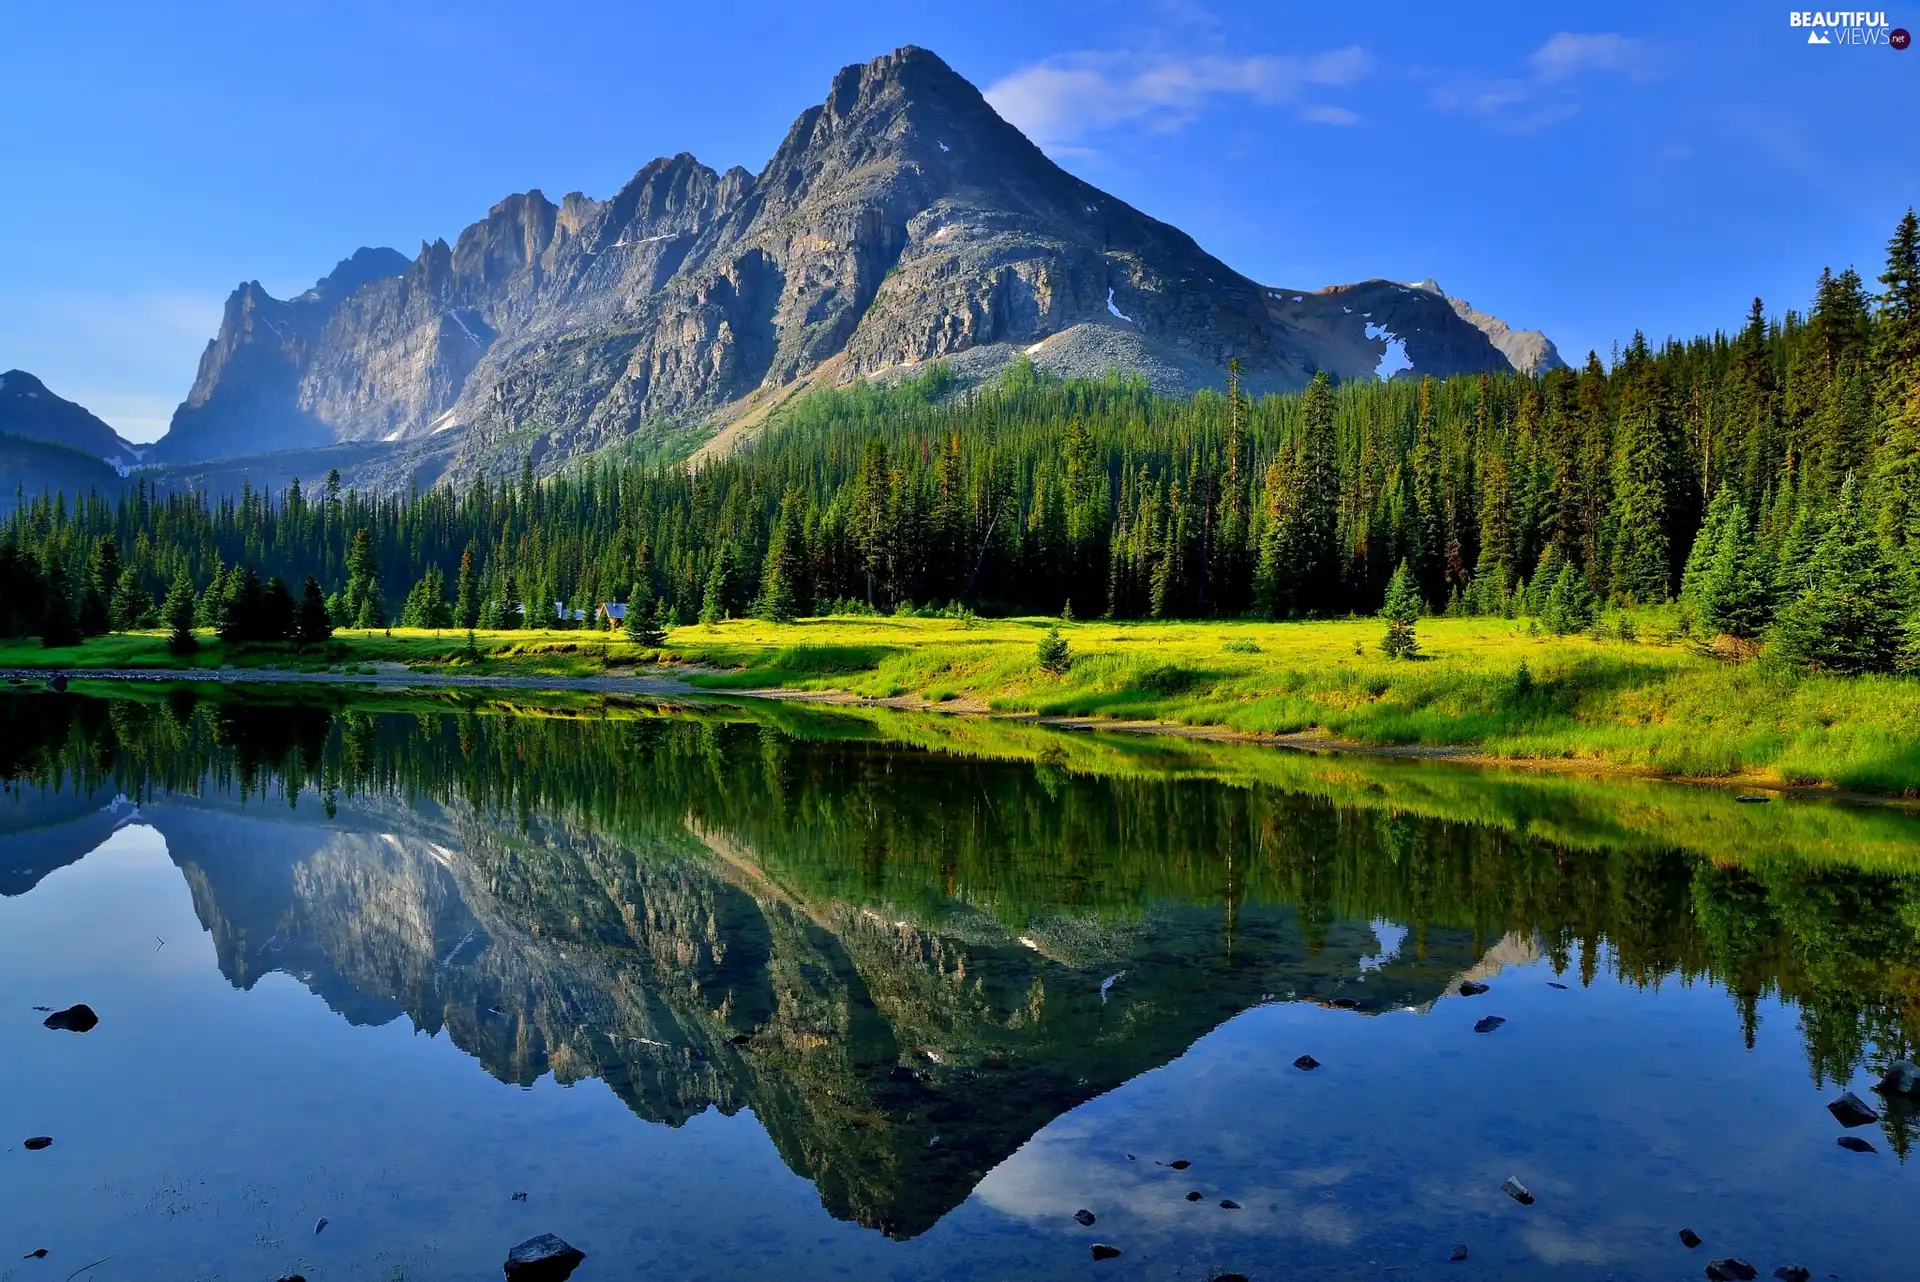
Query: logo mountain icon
[1818,38]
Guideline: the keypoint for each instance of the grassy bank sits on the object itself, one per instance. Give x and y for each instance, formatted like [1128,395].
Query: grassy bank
[1484,685]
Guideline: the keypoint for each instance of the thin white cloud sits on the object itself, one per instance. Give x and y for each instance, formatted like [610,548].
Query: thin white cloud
[1557,73]
[1321,114]
[1064,101]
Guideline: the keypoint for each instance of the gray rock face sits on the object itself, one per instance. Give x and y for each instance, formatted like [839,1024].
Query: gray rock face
[900,221]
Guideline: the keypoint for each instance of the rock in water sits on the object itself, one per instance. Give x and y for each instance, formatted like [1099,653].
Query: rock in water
[1472,988]
[57,683]
[1101,1251]
[319,1224]
[39,1254]
[37,1142]
[1854,1144]
[1902,1079]
[1488,1024]
[1689,1239]
[1514,1189]
[74,1019]
[1085,1217]
[1850,1110]
[543,1259]
[1194,1196]
[1458,1253]
[1180,1165]
[1228,1204]
[1732,1270]
[1553,984]
[1306,1063]
[1793,1273]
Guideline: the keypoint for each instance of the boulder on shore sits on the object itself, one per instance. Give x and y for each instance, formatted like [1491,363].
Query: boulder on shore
[1902,1079]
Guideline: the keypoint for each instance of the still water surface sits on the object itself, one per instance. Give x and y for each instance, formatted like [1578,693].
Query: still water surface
[728,997]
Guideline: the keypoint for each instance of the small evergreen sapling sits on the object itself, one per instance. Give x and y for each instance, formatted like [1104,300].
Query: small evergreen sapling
[1401,611]
[1053,653]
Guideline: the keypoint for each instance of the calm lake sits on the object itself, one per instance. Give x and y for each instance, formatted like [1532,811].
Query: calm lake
[721,992]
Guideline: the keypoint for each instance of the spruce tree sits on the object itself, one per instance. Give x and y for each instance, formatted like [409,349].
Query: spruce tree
[130,605]
[1053,654]
[466,602]
[1851,617]
[312,626]
[179,613]
[96,593]
[1706,546]
[58,626]
[365,604]
[1642,482]
[1401,610]
[278,613]
[1736,597]
[786,565]
[1570,606]
[645,623]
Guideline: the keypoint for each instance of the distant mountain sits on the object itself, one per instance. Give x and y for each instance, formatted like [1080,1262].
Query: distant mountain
[28,409]
[30,468]
[1527,350]
[901,221]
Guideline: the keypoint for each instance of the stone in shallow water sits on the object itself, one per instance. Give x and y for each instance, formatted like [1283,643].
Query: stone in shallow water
[1194,1196]
[1732,1270]
[1180,1165]
[1850,1110]
[1689,1238]
[1472,988]
[74,1019]
[1794,1273]
[543,1259]
[1101,1251]
[1228,1204]
[1854,1144]
[1514,1189]
[1085,1217]
[1306,1063]
[37,1142]
[1901,1079]
[1556,984]
[1458,1253]
[1488,1024]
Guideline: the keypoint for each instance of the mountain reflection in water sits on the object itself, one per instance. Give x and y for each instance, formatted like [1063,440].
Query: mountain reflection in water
[904,962]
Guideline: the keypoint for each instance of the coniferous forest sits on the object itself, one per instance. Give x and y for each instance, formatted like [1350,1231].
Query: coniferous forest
[1768,478]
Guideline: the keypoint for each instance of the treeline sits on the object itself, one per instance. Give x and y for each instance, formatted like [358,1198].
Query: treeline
[1033,495]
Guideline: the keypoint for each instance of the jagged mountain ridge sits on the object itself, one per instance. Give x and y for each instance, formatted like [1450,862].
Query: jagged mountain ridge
[28,409]
[900,221]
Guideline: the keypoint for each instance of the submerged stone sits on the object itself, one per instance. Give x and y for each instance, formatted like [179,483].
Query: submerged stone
[1850,1110]
[1854,1144]
[1458,1253]
[1473,988]
[1085,1217]
[1689,1238]
[1180,1165]
[74,1019]
[1793,1273]
[1101,1251]
[1194,1196]
[1228,1204]
[1514,1189]
[37,1142]
[1488,1024]
[543,1259]
[1306,1063]
[1732,1270]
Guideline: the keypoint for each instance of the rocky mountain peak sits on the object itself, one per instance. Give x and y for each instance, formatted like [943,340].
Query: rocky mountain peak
[29,409]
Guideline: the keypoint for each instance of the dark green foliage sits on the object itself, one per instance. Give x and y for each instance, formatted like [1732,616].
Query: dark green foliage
[58,626]
[1737,590]
[1401,610]
[1053,654]
[311,625]
[1851,617]
[179,614]
[427,605]
[1569,605]
[646,623]
[362,605]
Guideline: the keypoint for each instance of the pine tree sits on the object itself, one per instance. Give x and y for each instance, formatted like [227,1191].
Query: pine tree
[364,603]
[1401,611]
[96,592]
[1706,546]
[1851,617]
[277,611]
[786,564]
[58,627]
[1053,653]
[716,594]
[130,605]
[1642,482]
[1737,596]
[466,602]
[645,625]
[180,612]
[311,625]
[1570,605]
[240,615]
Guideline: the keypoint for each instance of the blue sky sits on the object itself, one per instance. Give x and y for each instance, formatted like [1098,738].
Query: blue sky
[1582,169]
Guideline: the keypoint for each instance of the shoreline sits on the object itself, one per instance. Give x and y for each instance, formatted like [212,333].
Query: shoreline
[399,677]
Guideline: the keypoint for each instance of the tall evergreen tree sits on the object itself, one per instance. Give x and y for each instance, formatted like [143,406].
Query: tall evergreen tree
[179,613]
[311,625]
[466,601]
[1642,482]
[1401,612]
[1737,595]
